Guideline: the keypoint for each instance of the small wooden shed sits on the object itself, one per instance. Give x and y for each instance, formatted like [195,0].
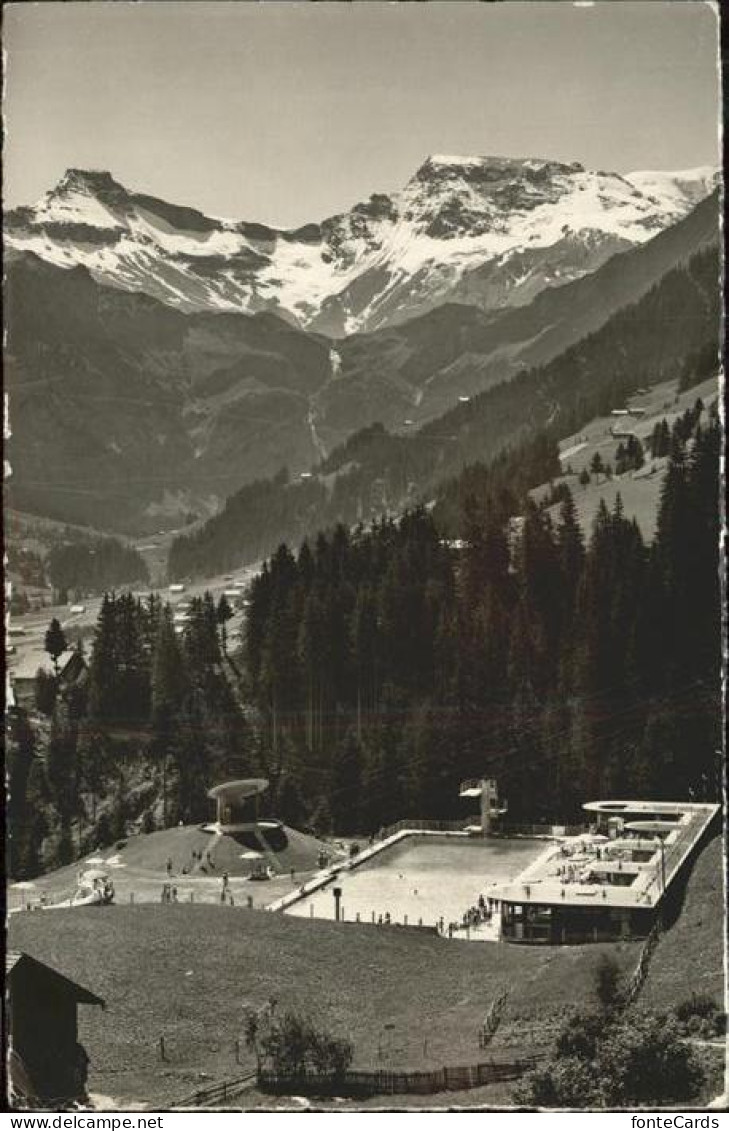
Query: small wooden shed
[46,1059]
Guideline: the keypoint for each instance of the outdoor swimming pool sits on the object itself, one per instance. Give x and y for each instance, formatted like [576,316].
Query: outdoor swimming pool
[422,877]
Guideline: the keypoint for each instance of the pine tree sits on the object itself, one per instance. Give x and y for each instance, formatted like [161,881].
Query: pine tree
[168,673]
[571,553]
[103,665]
[346,786]
[223,614]
[55,643]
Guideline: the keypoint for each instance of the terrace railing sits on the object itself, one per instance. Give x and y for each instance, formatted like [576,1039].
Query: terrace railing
[542,830]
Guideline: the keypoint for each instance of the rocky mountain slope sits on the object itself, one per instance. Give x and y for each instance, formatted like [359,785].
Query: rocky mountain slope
[416,371]
[671,332]
[124,411]
[129,414]
[485,231]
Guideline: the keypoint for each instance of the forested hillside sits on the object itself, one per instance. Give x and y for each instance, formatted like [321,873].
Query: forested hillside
[672,329]
[382,666]
[155,724]
[388,667]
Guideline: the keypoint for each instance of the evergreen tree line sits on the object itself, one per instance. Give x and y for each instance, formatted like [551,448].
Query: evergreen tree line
[82,568]
[157,709]
[170,685]
[669,333]
[387,666]
[384,665]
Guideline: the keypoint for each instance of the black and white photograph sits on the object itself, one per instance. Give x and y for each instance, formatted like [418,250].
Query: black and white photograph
[363,525]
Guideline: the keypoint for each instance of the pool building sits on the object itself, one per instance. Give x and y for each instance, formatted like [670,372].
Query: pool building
[607,883]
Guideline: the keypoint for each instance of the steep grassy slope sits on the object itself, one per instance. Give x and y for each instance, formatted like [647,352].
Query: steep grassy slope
[690,956]
[186,973]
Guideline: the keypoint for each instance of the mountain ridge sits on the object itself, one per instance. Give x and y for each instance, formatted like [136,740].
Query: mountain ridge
[485,231]
[230,398]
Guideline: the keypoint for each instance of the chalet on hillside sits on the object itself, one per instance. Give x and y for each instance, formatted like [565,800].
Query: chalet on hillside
[46,1061]
[72,670]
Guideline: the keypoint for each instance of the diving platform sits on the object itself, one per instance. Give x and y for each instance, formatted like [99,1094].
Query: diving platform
[485,790]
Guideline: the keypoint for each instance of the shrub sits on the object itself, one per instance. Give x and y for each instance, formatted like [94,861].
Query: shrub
[607,982]
[564,1082]
[645,1061]
[698,1005]
[580,1036]
[604,1060]
[294,1047]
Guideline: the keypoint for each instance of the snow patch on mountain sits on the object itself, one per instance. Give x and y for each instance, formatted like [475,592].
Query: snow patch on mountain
[484,230]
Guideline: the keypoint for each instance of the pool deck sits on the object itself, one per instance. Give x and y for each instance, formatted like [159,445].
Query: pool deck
[590,862]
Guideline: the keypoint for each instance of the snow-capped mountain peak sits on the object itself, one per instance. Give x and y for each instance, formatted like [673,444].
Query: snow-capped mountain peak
[489,230]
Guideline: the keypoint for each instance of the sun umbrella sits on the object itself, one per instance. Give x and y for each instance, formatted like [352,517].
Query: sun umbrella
[95,874]
[250,855]
[95,860]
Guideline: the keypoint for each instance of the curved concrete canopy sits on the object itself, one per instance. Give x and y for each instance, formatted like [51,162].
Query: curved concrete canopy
[619,807]
[238,790]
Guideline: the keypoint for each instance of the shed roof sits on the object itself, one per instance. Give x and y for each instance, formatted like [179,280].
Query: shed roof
[27,663]
[15,959]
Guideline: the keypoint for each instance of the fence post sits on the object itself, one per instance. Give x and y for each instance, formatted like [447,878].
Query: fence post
[162,1053]
[237,1051]
[192,897]
[131,897]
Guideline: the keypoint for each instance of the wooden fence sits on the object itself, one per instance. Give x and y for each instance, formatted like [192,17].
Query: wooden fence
[385,1082]
[492,1019]
[640,973]
[218,1093]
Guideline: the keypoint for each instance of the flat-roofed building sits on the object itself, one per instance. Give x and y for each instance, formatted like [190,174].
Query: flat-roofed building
[608,883]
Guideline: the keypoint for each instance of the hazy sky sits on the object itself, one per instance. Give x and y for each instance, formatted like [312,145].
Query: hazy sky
[289,112]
